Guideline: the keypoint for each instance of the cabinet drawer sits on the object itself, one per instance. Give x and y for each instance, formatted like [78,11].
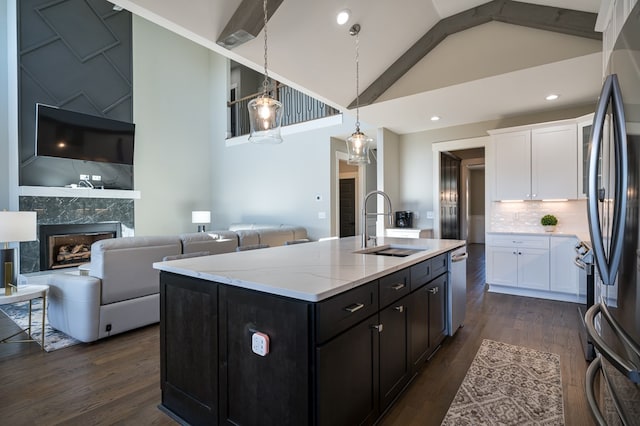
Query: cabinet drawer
[393,287]
[439,264]
[514,240]
[420,274]
[340,312]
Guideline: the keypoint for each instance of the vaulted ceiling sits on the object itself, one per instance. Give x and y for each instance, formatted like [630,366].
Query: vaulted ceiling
[494,65]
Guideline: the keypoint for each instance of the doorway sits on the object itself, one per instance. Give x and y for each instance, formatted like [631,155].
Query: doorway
[471,193]
[349,188]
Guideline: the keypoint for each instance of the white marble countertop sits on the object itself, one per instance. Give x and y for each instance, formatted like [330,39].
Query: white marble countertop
[581,236]
[312,271]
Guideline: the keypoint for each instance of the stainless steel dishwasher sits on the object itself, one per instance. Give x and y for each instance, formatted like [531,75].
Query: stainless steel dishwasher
[457,289]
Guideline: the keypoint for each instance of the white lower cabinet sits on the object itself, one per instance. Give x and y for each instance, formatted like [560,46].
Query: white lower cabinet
[520,261]
[533,265]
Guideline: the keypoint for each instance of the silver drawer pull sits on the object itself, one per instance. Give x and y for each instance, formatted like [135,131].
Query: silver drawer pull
[433,290]
[355,307]
[378,327]
[398,286]
[399,308]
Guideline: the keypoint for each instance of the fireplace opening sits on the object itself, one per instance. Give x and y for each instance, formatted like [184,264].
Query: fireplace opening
[66,246]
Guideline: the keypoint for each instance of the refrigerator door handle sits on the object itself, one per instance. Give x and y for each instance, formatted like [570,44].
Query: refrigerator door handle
[623,365]
[592,372]
[608,261]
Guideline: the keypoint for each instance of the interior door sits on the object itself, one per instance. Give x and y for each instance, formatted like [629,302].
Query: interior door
[449,196]
[347,207]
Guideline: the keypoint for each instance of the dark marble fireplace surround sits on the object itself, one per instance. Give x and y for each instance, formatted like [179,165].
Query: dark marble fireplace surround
[67,210]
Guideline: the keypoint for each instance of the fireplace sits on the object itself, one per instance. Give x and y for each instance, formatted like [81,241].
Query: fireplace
[65,246]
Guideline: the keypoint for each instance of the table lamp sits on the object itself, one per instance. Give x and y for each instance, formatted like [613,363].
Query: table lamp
[14,227]
[201,217]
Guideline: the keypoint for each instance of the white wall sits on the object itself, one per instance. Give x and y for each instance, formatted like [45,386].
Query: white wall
[174,116]
[388,176]
[275,184]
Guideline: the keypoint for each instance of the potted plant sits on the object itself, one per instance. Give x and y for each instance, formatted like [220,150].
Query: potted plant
[549,222]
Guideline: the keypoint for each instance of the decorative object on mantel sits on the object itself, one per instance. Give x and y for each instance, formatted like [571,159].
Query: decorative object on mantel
[358,143]
[201,218]
[14,227]
[509,385]
[549,222]
[54,339]
[265,112]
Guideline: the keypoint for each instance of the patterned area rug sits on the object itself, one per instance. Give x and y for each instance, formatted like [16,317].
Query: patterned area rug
[509,385]
[53,339]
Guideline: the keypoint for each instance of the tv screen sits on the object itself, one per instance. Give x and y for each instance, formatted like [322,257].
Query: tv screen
[69,134]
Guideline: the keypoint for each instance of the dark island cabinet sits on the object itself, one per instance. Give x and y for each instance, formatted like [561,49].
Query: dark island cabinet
[340,361]
[189,348]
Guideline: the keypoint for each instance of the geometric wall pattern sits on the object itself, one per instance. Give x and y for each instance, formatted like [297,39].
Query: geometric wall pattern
[73,54]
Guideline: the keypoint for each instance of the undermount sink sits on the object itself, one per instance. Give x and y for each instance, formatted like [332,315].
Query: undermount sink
[390,251]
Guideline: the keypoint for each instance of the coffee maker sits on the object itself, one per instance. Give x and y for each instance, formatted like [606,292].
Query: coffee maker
[404,219]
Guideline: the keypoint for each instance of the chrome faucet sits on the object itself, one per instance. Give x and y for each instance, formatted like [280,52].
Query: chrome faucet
[365,237]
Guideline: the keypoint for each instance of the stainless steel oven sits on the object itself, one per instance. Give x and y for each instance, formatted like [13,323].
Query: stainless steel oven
[584,261]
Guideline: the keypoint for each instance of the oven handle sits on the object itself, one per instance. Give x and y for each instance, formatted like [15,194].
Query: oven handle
[592,372]
[621,364]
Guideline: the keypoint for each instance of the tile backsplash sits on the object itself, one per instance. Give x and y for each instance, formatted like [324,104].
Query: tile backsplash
[525,216]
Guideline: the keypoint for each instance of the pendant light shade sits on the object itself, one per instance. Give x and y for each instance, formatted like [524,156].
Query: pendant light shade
[265,116]
[265,112]
[358,143]
[358,148]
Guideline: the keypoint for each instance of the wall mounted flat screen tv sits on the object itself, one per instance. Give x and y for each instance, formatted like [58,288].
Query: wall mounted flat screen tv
[69,134]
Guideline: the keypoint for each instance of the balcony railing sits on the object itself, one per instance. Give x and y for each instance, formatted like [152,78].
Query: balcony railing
[297,108]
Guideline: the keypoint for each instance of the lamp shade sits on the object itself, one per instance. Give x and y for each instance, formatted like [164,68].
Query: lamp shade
[358,148]
[201,216]
[18,226]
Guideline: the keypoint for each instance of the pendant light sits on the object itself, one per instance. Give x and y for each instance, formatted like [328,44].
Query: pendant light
[265,112]
[358,143]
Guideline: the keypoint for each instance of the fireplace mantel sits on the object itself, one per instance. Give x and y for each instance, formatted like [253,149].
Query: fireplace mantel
[46,191]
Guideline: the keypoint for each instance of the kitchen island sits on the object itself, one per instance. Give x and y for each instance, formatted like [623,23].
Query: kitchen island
[316,333]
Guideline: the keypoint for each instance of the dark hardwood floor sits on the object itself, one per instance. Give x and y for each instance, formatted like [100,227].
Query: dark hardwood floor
[117,380]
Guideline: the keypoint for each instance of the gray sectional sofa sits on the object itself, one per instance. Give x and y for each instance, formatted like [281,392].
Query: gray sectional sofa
[119,290]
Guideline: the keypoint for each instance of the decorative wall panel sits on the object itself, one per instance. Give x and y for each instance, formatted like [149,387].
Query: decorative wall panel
[76,55]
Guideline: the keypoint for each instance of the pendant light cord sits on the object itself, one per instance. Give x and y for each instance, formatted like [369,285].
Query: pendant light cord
[355,31]
[265,83]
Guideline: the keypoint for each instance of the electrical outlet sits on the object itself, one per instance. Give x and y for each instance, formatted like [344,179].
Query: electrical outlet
[260,343]
[429,215]
[84,177]
[96,178]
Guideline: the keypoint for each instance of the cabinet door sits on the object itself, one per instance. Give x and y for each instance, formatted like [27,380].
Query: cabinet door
[347,376]
[418,327]
[554,162]
[513,165]
[533,268]
[437,311]
[502,265]
[189,379]
[394,351]
[564,274]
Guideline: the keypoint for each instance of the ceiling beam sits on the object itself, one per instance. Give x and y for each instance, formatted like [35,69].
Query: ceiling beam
[565,21]
[246,22]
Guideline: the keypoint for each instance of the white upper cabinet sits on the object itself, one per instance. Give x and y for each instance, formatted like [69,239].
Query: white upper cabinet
[536,163]
[513,165]
[554,162]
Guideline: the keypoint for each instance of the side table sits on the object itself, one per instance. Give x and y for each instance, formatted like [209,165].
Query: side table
[27,292]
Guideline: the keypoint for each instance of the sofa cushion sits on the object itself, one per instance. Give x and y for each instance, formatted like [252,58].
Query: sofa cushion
[125,265]
[248,237]
[275,237]
[215,242]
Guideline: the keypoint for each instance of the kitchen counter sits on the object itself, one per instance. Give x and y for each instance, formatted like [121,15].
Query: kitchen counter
[312,271]
[581,236]
[351,332]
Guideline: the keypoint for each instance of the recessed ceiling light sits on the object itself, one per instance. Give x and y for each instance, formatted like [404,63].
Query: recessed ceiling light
[343,16]
[435,118]
[552,97]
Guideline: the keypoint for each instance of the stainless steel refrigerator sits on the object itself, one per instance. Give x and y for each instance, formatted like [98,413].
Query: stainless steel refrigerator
[613,323]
